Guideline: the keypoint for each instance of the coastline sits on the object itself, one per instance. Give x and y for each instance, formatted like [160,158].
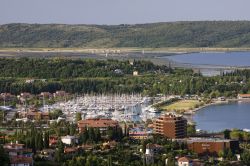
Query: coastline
[235,101]
[216,102]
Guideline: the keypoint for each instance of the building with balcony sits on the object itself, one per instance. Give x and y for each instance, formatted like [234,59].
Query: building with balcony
[171,126]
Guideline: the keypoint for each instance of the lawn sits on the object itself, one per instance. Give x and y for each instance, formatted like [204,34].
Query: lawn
[182,105]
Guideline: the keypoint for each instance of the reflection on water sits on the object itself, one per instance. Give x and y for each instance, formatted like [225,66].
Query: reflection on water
[223,116]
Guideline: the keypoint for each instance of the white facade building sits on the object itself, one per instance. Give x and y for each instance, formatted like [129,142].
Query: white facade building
[69,140]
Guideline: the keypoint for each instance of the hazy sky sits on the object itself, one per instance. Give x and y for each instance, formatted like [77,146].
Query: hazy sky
[120,11]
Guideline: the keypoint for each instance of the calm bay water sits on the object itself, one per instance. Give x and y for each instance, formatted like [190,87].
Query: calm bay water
[238,59]
[223,116]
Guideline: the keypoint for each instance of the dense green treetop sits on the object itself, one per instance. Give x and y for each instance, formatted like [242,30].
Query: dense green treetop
[96,76]
[67,68]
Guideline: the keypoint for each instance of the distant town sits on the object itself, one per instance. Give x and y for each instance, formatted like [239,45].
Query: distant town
[90,111]
[124,83]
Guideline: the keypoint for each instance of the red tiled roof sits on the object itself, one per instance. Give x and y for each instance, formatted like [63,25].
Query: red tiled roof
[184,159]
[151,125]
[25,94]
[33,113]
[13,144]
[70,149]
[60,93]
[53,140]
[244,95]
[154,146]
[53,137]
[138,132]
[37,113]
[6,95]
[19,150]
[21,160]
[112,143]
[97,123]
[86,146]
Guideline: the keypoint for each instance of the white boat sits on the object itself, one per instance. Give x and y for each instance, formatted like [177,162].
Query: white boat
[152,110]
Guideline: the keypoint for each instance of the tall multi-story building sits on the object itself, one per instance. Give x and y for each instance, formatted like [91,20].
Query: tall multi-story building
[171,126]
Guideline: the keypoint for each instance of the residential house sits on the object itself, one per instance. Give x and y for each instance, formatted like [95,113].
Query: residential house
[34,114]
[109,145]
[243,96]
[47,154]
[69,140]
[18,154]
[140,132]
[53,140]
[135,73]
[21,161]
[185,161]
[45,95]
[71,150]
[30,81]
[100,123]
[6,96]
[60,94]
[153,148]
[25,95]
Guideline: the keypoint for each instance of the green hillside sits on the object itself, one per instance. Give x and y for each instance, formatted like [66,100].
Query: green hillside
[155,35]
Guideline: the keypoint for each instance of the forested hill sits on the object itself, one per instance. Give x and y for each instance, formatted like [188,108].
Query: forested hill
[175,34]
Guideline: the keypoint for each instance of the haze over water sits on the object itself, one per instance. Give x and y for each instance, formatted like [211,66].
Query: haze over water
[239,59]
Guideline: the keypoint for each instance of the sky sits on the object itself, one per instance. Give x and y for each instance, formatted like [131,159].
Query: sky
[121,11]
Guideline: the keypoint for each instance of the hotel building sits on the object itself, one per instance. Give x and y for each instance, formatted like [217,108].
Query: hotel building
[171,126]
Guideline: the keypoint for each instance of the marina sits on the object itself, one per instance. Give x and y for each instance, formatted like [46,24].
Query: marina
[128,108]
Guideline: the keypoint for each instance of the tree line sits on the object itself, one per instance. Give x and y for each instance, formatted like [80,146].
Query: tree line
[69,68]
[99,77]
[169,34]
[173,84]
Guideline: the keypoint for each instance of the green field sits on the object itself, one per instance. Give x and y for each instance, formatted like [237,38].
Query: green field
[182,105]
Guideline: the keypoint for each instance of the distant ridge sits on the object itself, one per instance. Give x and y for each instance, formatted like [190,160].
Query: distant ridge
[155,35]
